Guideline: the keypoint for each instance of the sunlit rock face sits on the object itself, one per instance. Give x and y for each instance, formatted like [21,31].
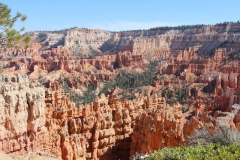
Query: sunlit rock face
[159,42]
[34,119]
[22,107]
[101,130]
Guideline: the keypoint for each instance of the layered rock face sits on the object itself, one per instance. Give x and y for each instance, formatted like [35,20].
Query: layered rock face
[180,49]
[221,127]
[38,121]
[101,130]
[48,39]
[4,52]
[48,122]
[147,42]
[62,60]
[158,127]
[22,107]
[111,129]
[85,40]
[128,59]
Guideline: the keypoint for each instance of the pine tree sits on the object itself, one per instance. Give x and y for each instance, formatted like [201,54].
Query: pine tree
[10,37]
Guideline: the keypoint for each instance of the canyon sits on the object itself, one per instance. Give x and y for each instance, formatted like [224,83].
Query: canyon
[93,94]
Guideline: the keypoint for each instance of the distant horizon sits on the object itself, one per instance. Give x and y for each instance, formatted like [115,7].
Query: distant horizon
[133,29]
[121,15]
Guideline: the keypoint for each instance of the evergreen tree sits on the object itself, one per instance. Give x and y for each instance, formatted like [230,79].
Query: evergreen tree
[89,96]
[10,37]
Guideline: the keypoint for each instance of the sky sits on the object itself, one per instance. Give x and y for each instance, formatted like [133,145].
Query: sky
[119,15]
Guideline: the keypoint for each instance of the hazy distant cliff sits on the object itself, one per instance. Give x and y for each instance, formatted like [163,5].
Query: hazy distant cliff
[82,40]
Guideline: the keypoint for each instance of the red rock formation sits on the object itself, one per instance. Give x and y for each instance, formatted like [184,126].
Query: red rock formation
[188,60]
[62,60]
[156,128]
[221,127]
[105,129]
[111,128]
[128,59]
[22,52]
[99,130]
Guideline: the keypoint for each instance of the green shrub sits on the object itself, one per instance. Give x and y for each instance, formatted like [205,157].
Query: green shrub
[211,151]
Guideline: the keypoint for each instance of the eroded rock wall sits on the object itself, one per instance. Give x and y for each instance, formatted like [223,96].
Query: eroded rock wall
[101,130]
[82,40]
[34,119]
[22,108]
[158,127]
[37,120]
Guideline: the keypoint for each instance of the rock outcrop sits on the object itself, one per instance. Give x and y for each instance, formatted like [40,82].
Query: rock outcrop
[34,120]
[157,128]
[22,107]
[101,130]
